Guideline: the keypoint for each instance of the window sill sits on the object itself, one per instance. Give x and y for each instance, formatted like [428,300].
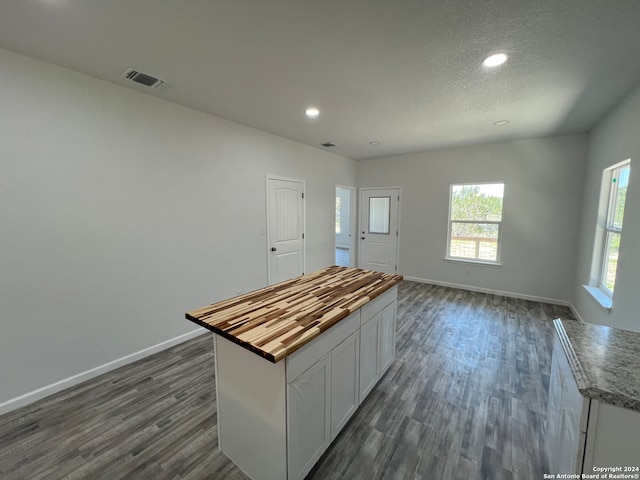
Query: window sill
[599,296]
[473,262]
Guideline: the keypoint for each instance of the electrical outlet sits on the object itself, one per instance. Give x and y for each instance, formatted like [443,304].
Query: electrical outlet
[466,271]
[239,293]
[263,230]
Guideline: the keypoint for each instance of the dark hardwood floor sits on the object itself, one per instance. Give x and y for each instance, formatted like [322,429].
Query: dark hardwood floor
[465,399]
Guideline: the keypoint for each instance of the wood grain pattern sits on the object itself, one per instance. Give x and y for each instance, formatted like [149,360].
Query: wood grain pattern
[275,321]
[465,399]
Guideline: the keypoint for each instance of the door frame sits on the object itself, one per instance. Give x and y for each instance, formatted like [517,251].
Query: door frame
[268,177]
[360,220]
[353,225]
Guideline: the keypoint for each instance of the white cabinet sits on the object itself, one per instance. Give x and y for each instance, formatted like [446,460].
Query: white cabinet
[369,340]
[275,420]
[345,394]
[377,342]
[612,438]
[322,393]
[308,417]
[387,344]
[583,433]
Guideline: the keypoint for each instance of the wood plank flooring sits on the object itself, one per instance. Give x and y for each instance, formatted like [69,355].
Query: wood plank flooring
[465,399]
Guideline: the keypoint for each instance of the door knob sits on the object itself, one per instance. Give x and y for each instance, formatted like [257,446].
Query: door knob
[273,249]
[361,238]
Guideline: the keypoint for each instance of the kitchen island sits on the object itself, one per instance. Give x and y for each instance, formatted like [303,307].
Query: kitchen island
[293,361]
[593,417]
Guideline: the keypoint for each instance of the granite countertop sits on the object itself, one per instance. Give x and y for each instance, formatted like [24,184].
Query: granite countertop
[275,321]
[605,361]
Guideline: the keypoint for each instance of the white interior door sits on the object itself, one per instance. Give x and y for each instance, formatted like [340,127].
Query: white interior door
[378,234]
[285,212]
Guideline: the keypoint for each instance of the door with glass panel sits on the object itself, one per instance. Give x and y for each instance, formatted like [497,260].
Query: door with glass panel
[378,234]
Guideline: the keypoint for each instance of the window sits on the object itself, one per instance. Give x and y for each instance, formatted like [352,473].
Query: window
[379,215]
[475,222]
[616,180]
[337,215]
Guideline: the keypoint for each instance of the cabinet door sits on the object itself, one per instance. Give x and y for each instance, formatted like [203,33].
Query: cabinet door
[369,355]
[387,345]
[345,388]
[308,417]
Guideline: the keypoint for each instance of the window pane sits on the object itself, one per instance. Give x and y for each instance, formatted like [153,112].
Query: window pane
[379,214]
[337,215]
[477,202]
[611,260]
[474,240]
[621,177]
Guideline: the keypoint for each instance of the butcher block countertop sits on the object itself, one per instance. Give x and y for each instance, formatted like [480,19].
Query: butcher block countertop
[275,321]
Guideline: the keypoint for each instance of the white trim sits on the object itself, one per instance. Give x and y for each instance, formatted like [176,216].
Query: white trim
[473,261]
[608,176]
[523,296]
[600,296]
[63,384]
[576,313]
[353,223]
[448,255]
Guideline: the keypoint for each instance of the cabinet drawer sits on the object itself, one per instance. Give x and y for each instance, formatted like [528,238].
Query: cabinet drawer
[300,360]
[370,309]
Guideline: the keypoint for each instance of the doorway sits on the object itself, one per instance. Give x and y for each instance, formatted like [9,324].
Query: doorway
[379,233]
[345,245]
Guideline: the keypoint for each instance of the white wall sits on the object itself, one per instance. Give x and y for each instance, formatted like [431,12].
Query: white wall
[615,139]
[543,193]
[120,211]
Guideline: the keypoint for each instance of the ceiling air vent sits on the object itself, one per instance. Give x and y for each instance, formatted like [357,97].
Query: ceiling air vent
[143,78]
[328,144]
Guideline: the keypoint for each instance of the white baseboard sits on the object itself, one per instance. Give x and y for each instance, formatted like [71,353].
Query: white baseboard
[553,301]
[58,386]
[575,312]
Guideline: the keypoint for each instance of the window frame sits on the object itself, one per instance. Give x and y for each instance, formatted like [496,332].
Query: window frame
[609,228]
[450,222]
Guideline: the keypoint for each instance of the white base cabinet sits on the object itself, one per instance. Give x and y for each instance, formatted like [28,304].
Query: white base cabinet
[369,365]
[585,434]
[377,344]
[309,416]
[276,420]
[345,395]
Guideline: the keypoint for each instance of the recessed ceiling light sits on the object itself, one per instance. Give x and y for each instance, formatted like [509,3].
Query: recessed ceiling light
[312,112]
[499,123]
[374,143]
[495,60]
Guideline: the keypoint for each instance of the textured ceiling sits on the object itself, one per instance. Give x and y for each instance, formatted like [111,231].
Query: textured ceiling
[405,73]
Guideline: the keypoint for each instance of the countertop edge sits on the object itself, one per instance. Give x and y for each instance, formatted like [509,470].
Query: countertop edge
[233,339]
[390,283]
[589,389]
[570,353]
